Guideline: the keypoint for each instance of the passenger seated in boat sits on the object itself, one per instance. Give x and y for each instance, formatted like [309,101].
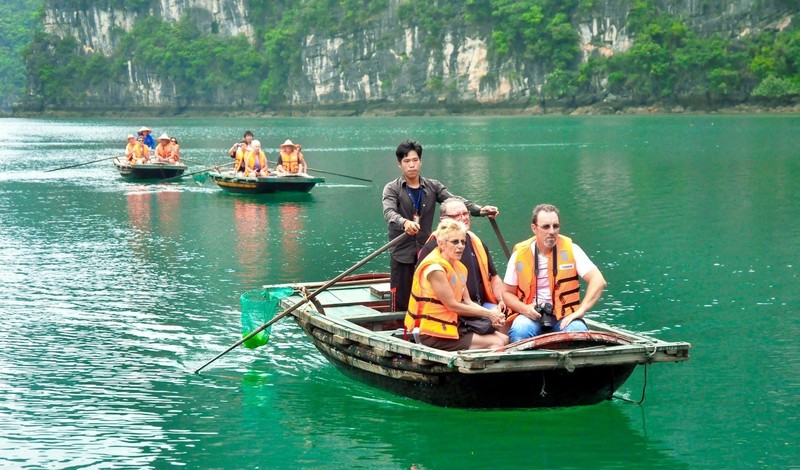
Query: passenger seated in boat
[483,283]
[129,155]
[440,310]
[291,161]
[256,162]
[136,151]
[547,296]
[164,150]
[247,139]
[176,150]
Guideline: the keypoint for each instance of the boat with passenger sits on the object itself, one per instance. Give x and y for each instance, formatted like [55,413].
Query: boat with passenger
[148,171]
[352,326]
[234,182]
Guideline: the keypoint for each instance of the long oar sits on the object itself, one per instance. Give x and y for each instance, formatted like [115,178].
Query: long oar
[339,174]
[310,297]
[190,174]
[80,164]
[500,237]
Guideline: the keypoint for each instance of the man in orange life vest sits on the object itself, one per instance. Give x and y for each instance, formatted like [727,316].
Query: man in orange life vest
[484,285]
[546,292]
[408,206]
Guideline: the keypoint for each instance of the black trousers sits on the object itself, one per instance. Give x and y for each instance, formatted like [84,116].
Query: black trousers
[400,279]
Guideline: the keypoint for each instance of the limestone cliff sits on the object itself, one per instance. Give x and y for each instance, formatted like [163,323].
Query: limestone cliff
[389,62]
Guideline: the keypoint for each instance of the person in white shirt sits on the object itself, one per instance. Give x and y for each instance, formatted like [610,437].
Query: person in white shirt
[545,295]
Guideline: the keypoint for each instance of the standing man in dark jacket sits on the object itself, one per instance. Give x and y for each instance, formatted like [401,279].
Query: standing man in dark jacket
[409,203]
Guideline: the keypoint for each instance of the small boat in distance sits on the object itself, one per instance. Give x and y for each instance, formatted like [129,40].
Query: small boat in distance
[231,182]
[352,326]
[148,171]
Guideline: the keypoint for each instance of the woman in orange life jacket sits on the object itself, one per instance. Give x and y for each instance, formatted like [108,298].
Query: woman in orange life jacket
[164,149]
[255,162]
[136,151]
[439,297]
[176,150]
[291,161]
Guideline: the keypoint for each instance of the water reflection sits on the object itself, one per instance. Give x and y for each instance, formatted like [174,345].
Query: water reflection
[252,244]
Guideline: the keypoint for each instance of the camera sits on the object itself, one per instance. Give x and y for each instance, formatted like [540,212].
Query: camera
[546,311]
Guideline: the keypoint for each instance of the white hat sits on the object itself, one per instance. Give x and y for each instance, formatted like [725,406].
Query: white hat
[288,143]
[130,136]
[256,143]
[144,129]
[164,136]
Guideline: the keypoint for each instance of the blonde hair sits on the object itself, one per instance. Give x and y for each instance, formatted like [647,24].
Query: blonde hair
[447,228]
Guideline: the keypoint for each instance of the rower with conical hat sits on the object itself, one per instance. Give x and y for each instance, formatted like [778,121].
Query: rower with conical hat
[291,161]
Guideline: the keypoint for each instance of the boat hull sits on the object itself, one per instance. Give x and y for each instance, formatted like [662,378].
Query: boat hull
[528,389]
[155,171]
[351,325]
[268,185]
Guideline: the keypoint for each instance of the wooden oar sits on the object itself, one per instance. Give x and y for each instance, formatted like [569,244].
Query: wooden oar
[500,237]
[190,174]
[310,297]
[339,174]
[80,164]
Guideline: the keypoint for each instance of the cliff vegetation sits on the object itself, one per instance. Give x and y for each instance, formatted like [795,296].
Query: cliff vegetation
[348,56]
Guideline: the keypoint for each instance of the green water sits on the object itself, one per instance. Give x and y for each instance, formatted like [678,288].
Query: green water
[112,292]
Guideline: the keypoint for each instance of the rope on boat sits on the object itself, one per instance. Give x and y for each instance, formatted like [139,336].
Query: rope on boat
[543,392]
[644,389]
[566,359]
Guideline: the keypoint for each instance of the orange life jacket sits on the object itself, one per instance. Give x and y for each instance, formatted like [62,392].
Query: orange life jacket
[254,163]
[565,287]
[164,151]
[130,152]
[424,309]
[483,265]
[290,161]
[239,163]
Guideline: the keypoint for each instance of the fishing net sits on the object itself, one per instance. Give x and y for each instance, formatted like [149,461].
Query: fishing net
[258,307]
[200,178]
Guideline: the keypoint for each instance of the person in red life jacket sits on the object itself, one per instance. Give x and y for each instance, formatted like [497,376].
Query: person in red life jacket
[546,292]
[291,161]
[439,298]
[483,283]
[409,203]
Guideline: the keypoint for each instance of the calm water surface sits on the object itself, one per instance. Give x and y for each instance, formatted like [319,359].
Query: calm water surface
[112,293]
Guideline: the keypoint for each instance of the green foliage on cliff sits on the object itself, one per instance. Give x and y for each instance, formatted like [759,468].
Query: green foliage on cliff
[18,20]
[667,62]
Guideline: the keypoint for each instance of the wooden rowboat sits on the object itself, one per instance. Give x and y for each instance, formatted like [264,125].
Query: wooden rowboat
[351,325]
[148,171]
[230,182]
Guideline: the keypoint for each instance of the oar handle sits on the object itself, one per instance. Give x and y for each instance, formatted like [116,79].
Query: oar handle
[500,237]
[80,164]
[339,174]
[308,298]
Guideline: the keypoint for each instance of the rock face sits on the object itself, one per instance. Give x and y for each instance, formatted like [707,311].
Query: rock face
[386,63]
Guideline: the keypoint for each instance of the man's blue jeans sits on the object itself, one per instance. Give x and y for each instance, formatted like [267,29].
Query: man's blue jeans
[523,327]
